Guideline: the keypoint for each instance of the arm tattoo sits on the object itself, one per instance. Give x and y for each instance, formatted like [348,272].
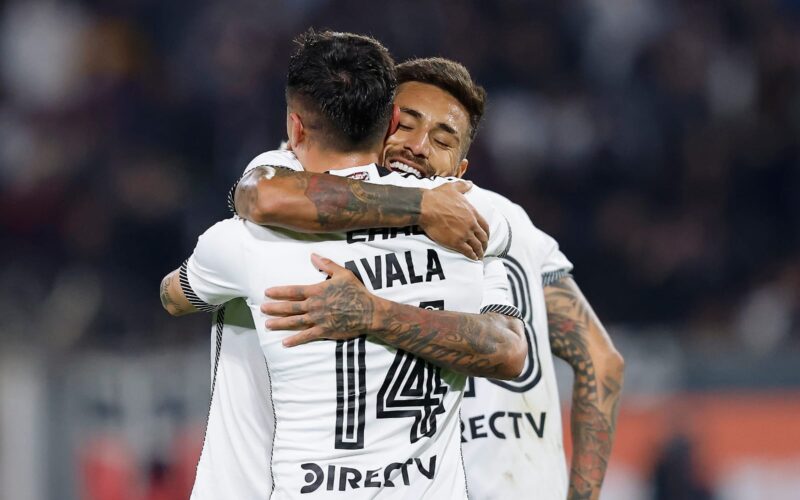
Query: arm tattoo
[594,403]
[355,204]
[320,203]
[471,344]
[166,299]
[466,343]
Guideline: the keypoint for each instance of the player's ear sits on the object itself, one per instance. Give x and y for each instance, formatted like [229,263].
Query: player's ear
[461,169]
[295,130]
[395,122]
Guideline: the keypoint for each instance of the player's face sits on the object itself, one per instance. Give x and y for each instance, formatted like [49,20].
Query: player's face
[433,129]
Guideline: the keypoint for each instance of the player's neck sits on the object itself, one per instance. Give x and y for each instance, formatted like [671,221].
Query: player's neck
[319,161]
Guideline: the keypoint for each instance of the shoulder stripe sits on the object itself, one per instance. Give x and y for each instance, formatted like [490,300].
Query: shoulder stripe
[554,276]
[506,310]
[192,297]
[510,239]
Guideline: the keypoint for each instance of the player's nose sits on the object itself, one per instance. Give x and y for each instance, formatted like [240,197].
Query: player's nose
[419,146]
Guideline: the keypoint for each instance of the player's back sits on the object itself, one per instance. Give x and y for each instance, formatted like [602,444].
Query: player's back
[358,416]
[357,419]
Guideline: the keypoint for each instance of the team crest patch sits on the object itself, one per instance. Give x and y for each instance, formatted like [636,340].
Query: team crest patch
[359,176]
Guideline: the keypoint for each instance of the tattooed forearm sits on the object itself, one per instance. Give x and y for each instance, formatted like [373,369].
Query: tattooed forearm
[308,202]
[483,345]
[166,299]
[355,205]
[576,336]
[341,308]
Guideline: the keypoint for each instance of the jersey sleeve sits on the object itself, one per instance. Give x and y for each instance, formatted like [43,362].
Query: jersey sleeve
[496,289]
[553,263]
[499,229]
[214,273]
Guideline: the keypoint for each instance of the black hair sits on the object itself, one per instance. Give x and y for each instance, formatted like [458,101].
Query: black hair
[346,82]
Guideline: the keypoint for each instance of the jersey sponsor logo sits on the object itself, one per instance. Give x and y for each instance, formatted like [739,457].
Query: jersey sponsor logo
[501,425]
[388,270]
[382,233]
[341,478]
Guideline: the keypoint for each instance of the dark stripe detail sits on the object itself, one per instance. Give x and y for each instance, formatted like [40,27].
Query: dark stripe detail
[505,310]
[383,171]
[554,276]
[232,191]
[510,239]
[461,453]
[220,323]
[274,427]
[192,297]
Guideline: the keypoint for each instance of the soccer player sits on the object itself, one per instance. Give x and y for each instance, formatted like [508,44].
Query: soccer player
[359,415]
[511,430]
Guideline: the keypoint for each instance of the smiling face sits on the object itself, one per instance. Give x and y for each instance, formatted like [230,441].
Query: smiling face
[432,135]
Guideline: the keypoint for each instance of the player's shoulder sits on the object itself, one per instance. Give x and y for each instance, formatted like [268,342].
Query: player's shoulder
[225,230]
[521,223]
[275,158]
[507,207]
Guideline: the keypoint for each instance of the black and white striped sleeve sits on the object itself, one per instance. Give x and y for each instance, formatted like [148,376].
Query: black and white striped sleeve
[504,309]
[188,291]
[496,289]
[550,277]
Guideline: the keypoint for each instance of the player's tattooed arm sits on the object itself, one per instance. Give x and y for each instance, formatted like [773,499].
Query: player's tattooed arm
[173,299]
[578,337]
[483,345]
[313,203]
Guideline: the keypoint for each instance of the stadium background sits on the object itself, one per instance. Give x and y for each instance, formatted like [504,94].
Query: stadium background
[658,141]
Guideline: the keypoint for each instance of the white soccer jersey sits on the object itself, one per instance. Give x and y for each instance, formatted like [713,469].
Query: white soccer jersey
[356,419]
[237,446]
[511,430]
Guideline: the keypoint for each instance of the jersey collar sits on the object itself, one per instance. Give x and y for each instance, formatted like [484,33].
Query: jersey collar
[361,173]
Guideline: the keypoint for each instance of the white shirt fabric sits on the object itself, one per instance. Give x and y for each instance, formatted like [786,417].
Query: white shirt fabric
[237,443]
[354,419]
[511,430]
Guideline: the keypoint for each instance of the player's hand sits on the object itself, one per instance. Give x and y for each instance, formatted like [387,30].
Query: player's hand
[339,308]
[451,221]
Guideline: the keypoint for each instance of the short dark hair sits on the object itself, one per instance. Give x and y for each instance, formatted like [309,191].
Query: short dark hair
[348,81]
[452,77]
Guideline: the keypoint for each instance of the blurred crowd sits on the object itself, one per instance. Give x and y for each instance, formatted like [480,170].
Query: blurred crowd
[658,141]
